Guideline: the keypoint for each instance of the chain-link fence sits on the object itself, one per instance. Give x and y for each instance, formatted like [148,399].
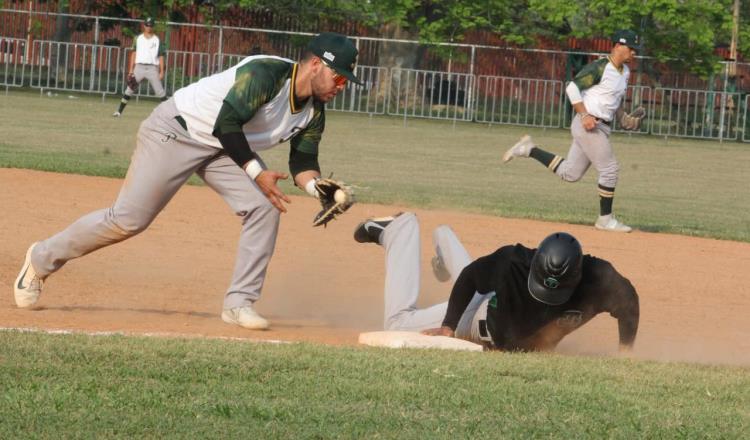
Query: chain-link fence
[458,82]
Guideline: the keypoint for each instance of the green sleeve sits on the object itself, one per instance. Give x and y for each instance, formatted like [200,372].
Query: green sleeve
[254,86]
[303,154]
[591,74]
[162,49]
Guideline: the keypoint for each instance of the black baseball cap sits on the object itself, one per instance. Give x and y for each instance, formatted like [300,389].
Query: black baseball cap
[337,52]
[148,22]
[628,38]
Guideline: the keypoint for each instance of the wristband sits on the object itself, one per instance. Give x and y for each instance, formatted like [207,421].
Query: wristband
[253,169]
[310,188]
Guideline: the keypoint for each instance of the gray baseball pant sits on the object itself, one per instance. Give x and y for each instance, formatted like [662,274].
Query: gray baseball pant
[590,147]
[149,72]
[402,279]
[165,157]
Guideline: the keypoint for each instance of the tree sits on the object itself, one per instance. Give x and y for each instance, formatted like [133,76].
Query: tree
[680,33]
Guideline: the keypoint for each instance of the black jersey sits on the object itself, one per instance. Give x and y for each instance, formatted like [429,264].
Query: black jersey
[516,321]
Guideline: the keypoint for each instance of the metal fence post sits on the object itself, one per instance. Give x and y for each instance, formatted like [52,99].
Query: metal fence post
[92,77]
[723,103]
[221,48]
[470,101]
[353,95]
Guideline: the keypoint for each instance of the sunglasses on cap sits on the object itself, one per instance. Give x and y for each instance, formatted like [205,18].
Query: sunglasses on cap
[338,78]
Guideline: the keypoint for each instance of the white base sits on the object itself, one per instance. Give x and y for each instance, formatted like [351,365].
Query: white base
[401,339]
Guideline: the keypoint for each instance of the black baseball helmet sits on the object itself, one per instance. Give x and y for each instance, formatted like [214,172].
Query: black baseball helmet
[556,269]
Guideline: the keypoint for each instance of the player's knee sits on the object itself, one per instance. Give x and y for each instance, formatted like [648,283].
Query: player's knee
[571,176]
[608,175]
[128,225]
[569,173]
[396,322]
[264,210]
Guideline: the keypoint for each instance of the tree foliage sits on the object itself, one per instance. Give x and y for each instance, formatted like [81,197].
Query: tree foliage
[683,33]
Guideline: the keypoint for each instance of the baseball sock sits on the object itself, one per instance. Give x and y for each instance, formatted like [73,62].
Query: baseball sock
[123,103]
[606,197]
[549,160]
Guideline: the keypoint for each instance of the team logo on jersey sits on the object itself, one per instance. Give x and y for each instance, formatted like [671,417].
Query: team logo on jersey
[294,132]
[570,319]
[493,301]
[168,136]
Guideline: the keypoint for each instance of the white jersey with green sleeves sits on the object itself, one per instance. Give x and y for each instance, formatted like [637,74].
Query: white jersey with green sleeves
[602,87]
[260,92]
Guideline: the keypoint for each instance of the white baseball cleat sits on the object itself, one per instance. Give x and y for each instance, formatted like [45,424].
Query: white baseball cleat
[246,317]
[116,114]
[610,223]
[522,148]
[28,285]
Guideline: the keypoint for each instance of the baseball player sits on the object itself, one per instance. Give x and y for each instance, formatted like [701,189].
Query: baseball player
[596,94]
[146,61]
[215,128]
[516,298]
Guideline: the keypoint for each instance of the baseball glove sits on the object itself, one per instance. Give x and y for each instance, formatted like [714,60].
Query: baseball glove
[131,82]
[632,121]
[335,198]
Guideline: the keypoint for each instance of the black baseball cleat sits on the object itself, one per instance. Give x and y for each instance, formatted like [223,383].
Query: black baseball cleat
[369,230]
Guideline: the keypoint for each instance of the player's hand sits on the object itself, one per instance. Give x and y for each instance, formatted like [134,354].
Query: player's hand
[161,76]
[589,122]
[266,181]
[440,331]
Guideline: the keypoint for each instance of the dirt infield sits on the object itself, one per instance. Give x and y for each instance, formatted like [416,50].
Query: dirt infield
[324,287]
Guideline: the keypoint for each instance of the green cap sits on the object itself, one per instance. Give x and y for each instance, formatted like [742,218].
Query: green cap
[148,22]
[628,38]
[337,52]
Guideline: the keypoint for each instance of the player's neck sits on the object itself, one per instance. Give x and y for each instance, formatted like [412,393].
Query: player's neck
[616,61]
[303,82]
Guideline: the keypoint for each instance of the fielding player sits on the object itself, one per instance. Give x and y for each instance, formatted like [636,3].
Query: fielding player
[146,62]
[596,94]
[215,128]
[513,299]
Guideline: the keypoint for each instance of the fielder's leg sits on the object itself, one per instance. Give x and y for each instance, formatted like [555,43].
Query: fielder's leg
[163,160]
[152,75]
[260,224]
[402,254]
[596,147]
[139,73]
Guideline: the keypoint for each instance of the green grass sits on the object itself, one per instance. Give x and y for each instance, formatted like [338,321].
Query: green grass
[58,386]
[54,386]
[666,185]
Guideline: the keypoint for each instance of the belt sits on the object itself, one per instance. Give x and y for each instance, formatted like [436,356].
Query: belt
[484,334]
[485,337]
[607,123]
